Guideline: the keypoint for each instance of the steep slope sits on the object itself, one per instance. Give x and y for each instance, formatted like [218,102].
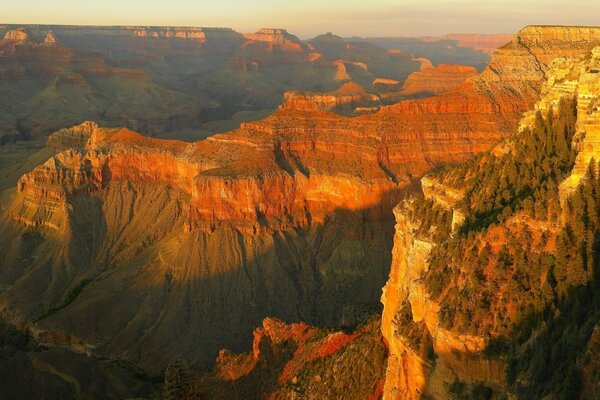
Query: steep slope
[290,361]
[490,270]
[145,249]
[31,371]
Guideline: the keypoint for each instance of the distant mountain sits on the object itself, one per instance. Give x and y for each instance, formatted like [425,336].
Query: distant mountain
[168,81]
[468,49]
[179,82]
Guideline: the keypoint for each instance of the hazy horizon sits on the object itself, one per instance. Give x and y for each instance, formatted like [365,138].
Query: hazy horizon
[313,17]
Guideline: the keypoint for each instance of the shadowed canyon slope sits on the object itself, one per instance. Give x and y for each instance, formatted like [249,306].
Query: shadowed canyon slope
[491,268]
[290,361]
[174,82]
[125,246]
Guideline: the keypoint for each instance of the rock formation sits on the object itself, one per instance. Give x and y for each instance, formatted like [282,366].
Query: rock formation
[345,100]
[17,35]
[437,80]
[181,78]
[584,80]
[288,361]
[456,355]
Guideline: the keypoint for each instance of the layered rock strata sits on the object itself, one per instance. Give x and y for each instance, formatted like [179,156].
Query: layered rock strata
[137,247]
[411,373]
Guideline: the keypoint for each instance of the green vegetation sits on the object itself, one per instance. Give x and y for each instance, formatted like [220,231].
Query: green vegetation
[435,221]
[525,178]
[353,372]
[521,267]
[549,343]
[416,333]
[467,276]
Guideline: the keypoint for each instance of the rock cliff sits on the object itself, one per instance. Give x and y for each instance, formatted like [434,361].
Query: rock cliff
[587,88]
[464,355]
[437,80]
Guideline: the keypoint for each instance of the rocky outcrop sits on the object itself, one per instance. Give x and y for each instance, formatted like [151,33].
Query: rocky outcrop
[460,356]
[410,373]
[437,80]
[17,35]
[270,47]
[289,361]
[50,39]
[280,37]
[344,100]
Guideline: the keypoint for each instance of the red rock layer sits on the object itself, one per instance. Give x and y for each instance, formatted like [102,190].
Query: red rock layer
[345,99]
[437,80]
[303,163]
[293,354]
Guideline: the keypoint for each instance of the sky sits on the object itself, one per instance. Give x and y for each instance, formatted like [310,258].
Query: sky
[308,18]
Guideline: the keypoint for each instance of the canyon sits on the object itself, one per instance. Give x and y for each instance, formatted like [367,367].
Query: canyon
[160,253]
[173,82]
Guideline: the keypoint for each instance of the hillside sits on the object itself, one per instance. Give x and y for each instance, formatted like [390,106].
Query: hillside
[496,266]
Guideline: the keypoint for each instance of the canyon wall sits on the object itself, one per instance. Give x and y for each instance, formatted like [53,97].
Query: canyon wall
[567,60]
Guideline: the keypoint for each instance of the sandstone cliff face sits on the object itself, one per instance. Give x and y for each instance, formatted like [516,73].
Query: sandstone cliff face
[345,100]
[410,374]
[587,88]
[437,80]
[460,356]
